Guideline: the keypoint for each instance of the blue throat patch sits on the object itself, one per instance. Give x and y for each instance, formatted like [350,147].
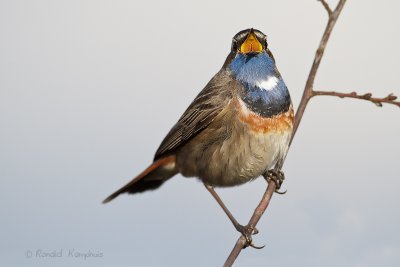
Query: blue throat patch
[264,90]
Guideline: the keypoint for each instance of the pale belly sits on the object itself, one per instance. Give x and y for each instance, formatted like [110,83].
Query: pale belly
[244,158]
[231,151]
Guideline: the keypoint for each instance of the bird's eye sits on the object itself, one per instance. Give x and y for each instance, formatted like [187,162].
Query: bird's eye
[234,47]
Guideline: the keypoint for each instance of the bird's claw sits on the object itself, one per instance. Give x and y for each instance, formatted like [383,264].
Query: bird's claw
[276,176]
[247,231]
[249,242]
[280,192]
[256,247]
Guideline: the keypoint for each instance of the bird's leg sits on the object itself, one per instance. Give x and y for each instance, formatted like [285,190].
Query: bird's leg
[276,176]
[235,223]
[246,231]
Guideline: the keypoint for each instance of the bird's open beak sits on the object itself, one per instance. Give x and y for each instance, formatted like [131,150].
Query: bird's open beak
[251,44]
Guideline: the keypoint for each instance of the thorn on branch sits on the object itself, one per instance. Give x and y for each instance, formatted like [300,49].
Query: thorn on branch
[367,96]
[391,97]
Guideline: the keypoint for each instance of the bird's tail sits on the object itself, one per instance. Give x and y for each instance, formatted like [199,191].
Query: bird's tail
[151,178]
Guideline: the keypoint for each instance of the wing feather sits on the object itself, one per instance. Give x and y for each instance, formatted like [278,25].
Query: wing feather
[201,112]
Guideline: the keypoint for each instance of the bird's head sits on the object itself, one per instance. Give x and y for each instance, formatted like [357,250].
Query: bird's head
[249,43]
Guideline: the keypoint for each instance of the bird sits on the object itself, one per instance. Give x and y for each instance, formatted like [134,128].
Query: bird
[237,128]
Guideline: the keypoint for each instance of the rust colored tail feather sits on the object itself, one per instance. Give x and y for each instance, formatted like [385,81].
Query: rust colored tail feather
[151,178]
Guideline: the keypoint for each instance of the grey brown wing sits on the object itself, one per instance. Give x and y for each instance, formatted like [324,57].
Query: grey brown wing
[201,112]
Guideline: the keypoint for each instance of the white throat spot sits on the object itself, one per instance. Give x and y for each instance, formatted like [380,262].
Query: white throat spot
[268,84]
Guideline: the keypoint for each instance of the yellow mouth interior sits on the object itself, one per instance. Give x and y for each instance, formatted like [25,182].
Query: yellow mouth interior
[251,44]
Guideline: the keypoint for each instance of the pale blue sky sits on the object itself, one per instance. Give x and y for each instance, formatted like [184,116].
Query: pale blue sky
[88,89]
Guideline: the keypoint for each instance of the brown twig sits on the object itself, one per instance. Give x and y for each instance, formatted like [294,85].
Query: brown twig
[326,6]
[307,95]
[390,99]
[308,90]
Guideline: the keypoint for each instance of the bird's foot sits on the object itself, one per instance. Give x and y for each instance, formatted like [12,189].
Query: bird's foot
[276,176]
[247,231]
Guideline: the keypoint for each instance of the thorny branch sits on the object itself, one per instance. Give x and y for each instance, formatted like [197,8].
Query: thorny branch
[389,99]
[307,95]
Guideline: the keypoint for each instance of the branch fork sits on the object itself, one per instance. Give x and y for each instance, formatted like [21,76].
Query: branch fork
[308,93]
